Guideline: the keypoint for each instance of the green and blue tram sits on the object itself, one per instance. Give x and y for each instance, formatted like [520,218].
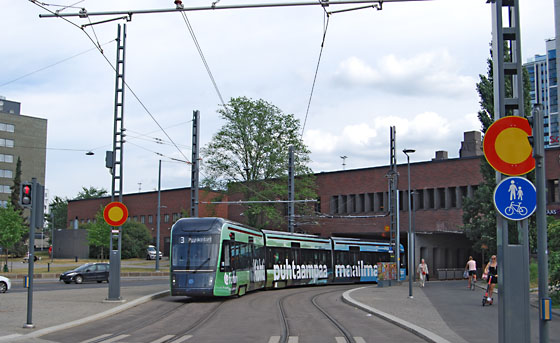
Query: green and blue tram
[218,257]
[356,260]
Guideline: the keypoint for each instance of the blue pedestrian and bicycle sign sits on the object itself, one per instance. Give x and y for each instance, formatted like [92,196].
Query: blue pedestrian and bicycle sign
[515,198]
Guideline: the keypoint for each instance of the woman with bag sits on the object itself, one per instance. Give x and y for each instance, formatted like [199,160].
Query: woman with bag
[423,272]
[471,269]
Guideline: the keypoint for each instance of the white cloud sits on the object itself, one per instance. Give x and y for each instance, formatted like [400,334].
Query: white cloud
[430,73]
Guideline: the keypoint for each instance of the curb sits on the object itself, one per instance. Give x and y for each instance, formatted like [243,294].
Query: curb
[418,331]
[115,310]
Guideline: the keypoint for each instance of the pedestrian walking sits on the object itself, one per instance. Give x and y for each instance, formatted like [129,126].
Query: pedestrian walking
[423,272]
[470,267]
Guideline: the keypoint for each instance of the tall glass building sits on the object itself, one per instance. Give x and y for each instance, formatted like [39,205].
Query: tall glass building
[544,90]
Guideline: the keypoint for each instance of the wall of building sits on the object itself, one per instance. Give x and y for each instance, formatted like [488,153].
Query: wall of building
[24,137]
[142,207]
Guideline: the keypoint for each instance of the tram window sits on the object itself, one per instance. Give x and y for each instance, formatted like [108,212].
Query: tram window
[296,255]
[225,263]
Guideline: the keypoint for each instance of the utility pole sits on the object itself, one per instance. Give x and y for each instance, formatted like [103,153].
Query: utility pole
[115,161]
[291,189]
[393,177]
[513,259]
[195,163]
[158,215]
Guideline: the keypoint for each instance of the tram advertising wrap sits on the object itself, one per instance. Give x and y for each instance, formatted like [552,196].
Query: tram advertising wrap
[218,257]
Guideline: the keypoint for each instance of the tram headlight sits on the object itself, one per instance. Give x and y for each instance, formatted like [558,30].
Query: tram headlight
[173,280]
[210,280]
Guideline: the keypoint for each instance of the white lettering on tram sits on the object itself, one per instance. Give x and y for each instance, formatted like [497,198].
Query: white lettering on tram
[294,271]
[359,270]
[257,271]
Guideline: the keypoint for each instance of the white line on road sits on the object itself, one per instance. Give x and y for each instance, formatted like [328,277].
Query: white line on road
[96,338]
[359,340]
[114,339]
[293,339]
[163,339]
[182,339]
[274,339]
[340,340]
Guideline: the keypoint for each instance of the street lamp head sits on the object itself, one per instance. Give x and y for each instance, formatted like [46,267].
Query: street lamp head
[90,153]
[408,151]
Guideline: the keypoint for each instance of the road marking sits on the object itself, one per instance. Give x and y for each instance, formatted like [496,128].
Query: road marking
[96,338]
[293,339]
[274,339]
[114,339]
[182,339]
[359,340]
[163,339]
[340,340]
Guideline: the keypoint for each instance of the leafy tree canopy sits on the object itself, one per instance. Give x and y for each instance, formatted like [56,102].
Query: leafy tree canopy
[250,150]
[12,227]
[91,193]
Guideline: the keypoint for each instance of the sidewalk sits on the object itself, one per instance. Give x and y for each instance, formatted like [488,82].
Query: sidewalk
[416,315]
[62,309]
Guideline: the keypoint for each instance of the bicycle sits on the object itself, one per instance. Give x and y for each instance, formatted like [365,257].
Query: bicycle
[512,208]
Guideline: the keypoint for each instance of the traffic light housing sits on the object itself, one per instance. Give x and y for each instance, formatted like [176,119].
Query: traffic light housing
[26,192]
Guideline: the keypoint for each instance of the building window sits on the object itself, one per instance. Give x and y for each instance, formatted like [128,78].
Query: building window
[6,173]
[135,218]
[3,203]
[142,219]
[7,127]
[166,218]
[7,158]
[8,143]
[5,189]
[175,217]
[150,219]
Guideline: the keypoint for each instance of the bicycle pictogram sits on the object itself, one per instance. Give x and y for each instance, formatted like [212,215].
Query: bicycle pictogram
[513,208]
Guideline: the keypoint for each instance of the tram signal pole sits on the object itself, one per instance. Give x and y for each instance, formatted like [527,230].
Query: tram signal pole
[115,162]
[393,177]
[195,167]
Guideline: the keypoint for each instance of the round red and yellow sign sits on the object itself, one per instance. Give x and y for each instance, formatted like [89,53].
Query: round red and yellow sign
[115,213]
[507,148]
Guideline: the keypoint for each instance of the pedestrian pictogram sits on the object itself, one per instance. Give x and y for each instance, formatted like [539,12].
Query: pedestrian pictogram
[515,198]
[115,213]
[507,148]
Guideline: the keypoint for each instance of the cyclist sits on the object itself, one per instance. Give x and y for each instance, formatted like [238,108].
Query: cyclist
[471,268]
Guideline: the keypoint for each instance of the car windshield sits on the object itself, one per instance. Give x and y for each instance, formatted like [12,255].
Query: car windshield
[152,249]
[83,267]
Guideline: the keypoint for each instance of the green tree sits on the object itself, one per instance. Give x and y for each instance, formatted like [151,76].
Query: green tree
[14,196]
[99,235]
[479,214]
[135,239]
[554,258]
[249,155]
[59,213]
[12,228]
[91,193]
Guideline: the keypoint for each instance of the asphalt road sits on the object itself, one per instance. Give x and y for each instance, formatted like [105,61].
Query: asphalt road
[463,312]
[51,285]
[288,315]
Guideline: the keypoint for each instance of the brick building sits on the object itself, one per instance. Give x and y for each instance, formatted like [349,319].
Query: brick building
[142,207]
[354,203]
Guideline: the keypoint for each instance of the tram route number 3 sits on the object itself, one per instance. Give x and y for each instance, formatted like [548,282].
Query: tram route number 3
[191,240]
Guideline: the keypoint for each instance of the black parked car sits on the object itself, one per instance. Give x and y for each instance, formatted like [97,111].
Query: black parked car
[88,272]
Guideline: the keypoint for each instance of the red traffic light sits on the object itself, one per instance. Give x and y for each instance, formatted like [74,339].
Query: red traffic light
[26,195]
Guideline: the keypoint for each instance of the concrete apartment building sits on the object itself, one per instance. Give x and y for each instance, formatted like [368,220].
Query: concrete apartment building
[24,137]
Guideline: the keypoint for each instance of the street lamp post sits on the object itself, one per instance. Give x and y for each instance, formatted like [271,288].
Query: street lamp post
[410,235]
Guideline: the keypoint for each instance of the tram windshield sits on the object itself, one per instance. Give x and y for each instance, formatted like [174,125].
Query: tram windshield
[194,253]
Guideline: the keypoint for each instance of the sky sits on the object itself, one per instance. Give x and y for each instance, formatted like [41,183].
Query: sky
[413,65]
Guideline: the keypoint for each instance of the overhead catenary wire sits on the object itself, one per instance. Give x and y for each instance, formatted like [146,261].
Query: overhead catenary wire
[199,49]
[326,19]
[53,64]
[114,69]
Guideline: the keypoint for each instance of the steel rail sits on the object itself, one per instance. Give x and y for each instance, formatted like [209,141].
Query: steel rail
[84,14]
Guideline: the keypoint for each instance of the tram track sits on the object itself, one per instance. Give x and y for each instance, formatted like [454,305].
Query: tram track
[340,327]
[285,335]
